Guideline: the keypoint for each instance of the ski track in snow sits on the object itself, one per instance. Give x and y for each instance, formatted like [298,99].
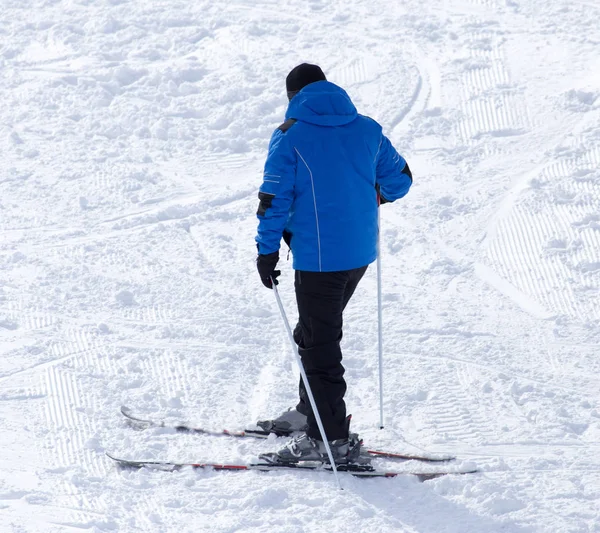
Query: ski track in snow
[133,136]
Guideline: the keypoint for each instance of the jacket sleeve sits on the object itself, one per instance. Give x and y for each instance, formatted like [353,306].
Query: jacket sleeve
[276,194]
[393,176]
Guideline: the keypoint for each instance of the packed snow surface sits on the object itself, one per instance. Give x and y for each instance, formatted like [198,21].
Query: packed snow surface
[132,139]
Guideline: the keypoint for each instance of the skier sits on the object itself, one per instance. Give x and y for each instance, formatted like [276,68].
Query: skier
[326,169]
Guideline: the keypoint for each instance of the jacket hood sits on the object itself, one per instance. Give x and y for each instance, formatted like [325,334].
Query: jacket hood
[322,103]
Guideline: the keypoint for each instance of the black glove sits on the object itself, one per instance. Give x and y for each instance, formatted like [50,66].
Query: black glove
[266,264]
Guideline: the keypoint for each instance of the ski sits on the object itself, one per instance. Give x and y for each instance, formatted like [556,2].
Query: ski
[185,428]
[260,434]
[354,470]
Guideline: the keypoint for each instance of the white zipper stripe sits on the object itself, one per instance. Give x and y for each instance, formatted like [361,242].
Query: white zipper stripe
[315,202]
[378,149]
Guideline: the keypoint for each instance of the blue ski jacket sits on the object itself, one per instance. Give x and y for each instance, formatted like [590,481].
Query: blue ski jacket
[320,179]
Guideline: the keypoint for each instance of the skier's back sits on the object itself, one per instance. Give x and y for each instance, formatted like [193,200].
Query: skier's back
[319,192]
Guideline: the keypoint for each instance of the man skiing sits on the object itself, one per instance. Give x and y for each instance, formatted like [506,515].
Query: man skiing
[323,170]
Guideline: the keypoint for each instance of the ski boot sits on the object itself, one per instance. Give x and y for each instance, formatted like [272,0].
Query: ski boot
[291,421]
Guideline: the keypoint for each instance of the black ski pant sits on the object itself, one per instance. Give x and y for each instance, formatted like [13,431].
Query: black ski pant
[322,298]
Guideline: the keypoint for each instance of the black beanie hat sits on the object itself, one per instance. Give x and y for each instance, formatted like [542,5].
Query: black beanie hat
[301,76]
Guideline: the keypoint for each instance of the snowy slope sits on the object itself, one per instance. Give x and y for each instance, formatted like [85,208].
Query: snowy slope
[132,137]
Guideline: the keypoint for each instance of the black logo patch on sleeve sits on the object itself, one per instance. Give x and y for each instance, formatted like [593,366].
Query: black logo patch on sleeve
[287,124]
[266,200]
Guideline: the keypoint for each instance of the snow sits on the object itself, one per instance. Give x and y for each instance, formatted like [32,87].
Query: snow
[132,137]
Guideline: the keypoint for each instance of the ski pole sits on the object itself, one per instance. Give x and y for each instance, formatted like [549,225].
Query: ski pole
[306,383]
[379,312]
